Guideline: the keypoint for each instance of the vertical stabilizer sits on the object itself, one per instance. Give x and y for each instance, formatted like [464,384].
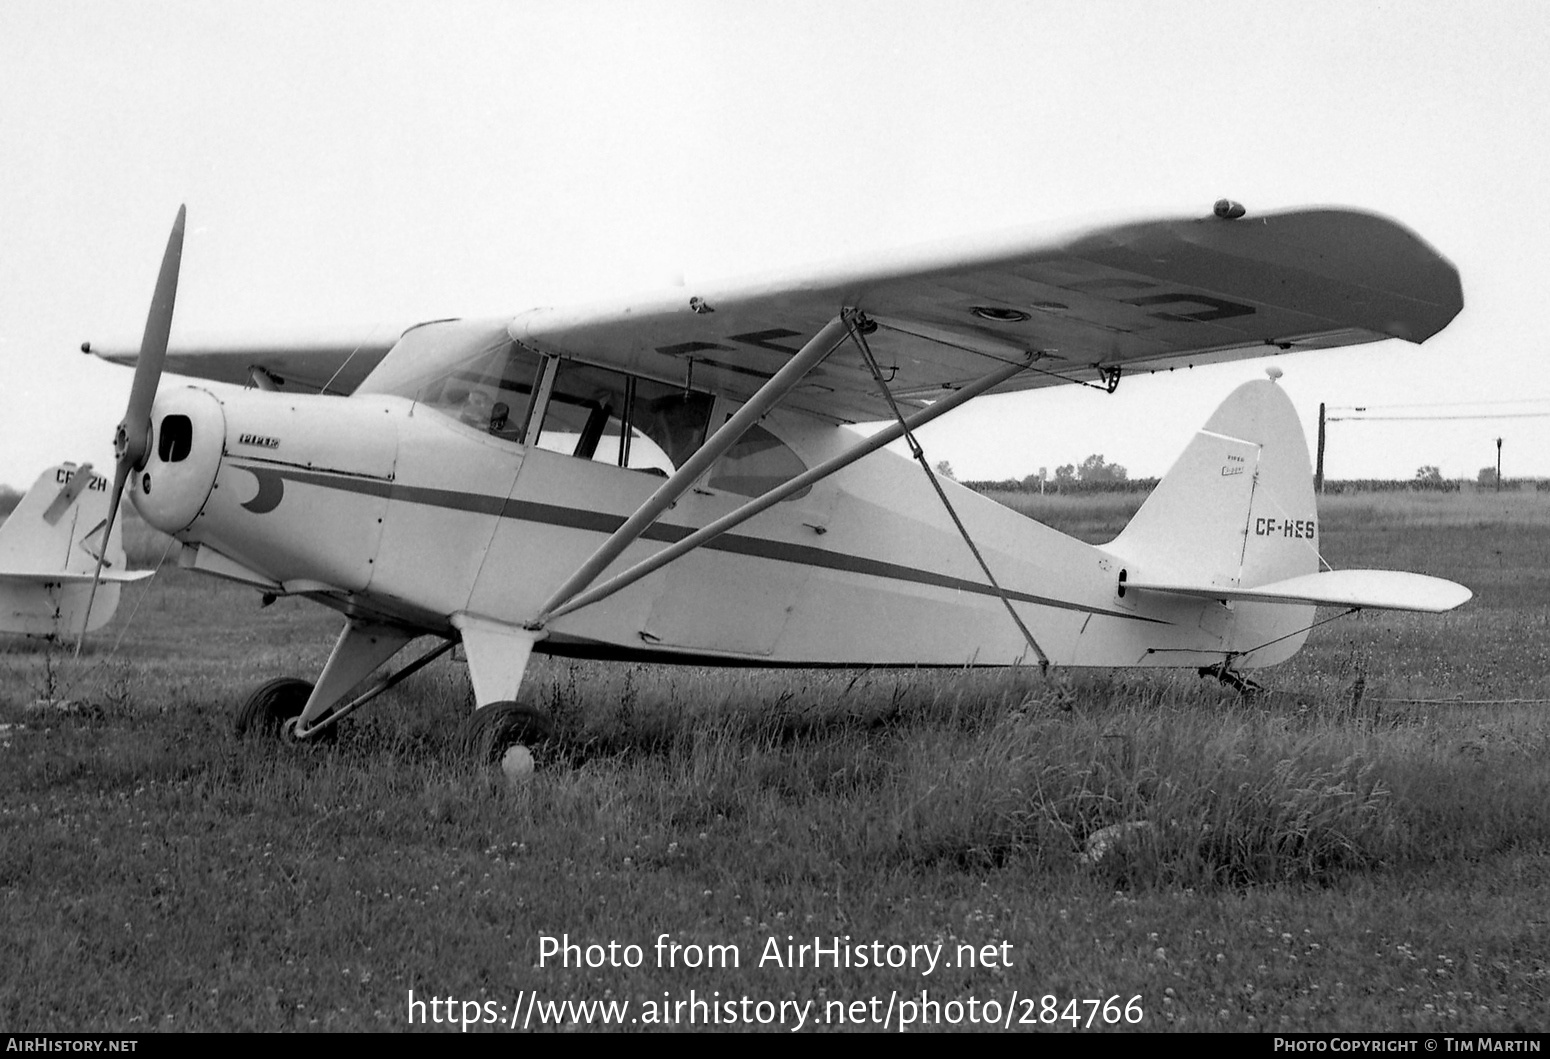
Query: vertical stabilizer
[1235,511]
[48,553]
[57,526]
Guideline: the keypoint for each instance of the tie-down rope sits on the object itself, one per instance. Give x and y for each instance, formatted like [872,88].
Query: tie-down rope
[857,333]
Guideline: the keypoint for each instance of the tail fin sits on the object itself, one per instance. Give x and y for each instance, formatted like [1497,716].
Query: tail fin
[48,555]
[57,526]
[1235,511]
[1237,507]
[1234,521]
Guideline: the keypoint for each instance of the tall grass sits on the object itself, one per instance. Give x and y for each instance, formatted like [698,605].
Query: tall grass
[1096,518]
[1471,507]
[1028,772]
[1319,858]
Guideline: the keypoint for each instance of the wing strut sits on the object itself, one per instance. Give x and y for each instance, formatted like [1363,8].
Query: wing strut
[735,518]
[858,332]
[826,341]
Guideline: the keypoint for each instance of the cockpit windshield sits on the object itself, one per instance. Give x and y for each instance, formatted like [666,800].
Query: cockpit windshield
[472,371]
[469,369]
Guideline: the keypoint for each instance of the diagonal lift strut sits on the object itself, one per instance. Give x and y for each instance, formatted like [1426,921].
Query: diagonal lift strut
[774,496]
[858,332]
[826,341]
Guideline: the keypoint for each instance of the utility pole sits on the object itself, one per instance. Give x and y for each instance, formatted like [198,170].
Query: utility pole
[1318,474]
[1498,465]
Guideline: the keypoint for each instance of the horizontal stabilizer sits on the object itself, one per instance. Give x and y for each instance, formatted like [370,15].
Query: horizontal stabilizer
[61,577]
[1378,589]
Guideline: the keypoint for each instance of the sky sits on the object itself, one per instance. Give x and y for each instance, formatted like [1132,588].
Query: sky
[368,165]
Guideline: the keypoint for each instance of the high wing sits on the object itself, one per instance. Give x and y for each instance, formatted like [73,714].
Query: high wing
[340,360]
[1089,303]
[1143,296]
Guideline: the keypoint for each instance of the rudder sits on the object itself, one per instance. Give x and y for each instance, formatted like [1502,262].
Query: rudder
[53,531]
[1235,510]
[48,555]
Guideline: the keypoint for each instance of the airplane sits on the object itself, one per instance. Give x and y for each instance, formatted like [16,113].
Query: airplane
[50,548]
[670,478]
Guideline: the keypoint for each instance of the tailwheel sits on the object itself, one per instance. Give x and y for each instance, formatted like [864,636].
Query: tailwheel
[1243,685]
[271,712]
[503,726]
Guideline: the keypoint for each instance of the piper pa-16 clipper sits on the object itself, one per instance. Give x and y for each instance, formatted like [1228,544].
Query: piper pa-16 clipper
[51,553]
[669,478]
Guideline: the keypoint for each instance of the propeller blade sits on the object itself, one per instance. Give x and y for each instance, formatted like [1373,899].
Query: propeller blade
[120,479]
[132,441]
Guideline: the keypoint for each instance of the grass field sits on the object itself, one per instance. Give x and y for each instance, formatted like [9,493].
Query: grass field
[1332,856]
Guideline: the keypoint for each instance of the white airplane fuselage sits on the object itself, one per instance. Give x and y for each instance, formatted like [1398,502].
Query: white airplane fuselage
[394,512]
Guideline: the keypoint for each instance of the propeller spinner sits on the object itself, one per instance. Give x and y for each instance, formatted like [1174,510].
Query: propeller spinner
[132,440]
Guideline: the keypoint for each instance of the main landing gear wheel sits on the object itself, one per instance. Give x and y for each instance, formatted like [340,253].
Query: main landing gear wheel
[494,729]
[272,710]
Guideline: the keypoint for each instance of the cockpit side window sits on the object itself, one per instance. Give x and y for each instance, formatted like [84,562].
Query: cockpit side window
[612,418]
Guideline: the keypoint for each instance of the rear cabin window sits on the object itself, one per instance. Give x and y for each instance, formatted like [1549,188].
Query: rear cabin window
[758,463]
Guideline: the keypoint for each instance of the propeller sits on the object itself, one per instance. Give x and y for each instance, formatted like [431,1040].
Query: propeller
[132,440]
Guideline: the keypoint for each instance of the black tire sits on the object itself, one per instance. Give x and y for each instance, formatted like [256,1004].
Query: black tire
[494,729]
[266,713]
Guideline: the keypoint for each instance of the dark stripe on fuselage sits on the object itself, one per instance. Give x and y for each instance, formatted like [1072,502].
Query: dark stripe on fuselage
[736,544]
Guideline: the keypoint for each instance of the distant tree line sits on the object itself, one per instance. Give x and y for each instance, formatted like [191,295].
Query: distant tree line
[1096,475]
[1335,487]
[1429,479]
[1092,475]
[1076,487]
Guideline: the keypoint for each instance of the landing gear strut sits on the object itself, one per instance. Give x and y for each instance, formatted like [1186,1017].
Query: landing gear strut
[298,712]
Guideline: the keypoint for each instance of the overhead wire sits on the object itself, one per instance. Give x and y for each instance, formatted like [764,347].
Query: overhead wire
[1442,404]
[1433,419]
[1382,412]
